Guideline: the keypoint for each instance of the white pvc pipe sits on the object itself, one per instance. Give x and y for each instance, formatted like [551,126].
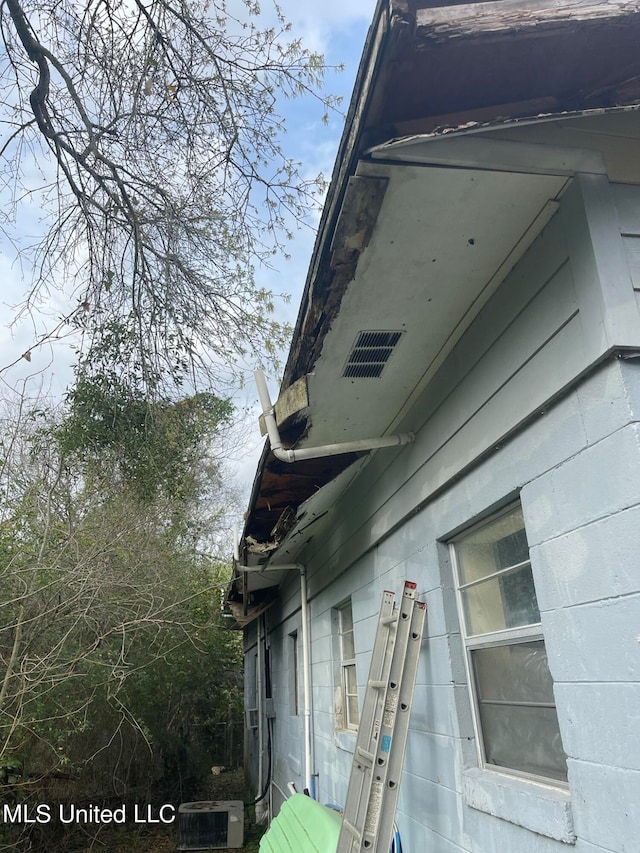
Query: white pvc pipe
[323,450]
[267,411]
[306,680]
[268,568]
[344,447]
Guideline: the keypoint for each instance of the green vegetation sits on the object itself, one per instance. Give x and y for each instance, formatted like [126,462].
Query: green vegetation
[120,682]
[147,136]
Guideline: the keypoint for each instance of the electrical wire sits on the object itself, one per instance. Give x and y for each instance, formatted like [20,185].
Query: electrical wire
[396,842]
[267,783]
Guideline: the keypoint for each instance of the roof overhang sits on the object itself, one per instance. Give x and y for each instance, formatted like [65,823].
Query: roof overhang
[423,220]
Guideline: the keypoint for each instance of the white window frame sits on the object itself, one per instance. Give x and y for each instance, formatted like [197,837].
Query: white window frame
[493,639]
[251,709]
[347,664]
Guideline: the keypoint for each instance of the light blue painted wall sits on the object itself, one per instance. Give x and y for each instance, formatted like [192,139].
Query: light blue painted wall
[575,463]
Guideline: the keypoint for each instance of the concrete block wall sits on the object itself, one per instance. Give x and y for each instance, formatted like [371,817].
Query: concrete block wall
[576,469]
[583,520]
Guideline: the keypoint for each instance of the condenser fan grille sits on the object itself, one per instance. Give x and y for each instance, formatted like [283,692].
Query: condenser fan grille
[211,825]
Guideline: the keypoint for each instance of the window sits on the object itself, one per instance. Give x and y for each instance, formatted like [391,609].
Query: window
[348,683]
[515,712]
[251,692]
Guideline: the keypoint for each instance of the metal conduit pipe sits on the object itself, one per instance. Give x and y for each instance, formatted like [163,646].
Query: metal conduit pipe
[261,808]
[306,680]
[285,455]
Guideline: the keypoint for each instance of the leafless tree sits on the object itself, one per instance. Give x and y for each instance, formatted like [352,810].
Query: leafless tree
[155,126]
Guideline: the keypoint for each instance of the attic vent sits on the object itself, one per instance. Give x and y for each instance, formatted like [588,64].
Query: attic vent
[369,355]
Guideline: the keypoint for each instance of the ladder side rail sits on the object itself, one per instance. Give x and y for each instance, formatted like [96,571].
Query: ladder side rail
[401,730]
[375,694]
[378,670]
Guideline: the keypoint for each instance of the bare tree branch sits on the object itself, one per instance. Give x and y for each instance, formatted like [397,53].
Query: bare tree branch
[161,119]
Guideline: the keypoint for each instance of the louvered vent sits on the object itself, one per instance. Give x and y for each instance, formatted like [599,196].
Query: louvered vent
[370,353]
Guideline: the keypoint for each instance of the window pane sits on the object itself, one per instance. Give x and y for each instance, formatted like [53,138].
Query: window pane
[352,710]
[348,646]
[346,619]
[524,738]
[506,601]
[351,694]
[497,545]
[514,673]
[512,548]
[350,684]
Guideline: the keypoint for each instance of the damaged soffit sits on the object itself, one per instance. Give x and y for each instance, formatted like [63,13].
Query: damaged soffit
[426,70]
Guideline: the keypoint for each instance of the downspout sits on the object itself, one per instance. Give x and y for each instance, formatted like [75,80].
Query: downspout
[260,806]
[285,455]
[306,684]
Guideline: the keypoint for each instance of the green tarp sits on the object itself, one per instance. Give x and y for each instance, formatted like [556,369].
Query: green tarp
[302,826]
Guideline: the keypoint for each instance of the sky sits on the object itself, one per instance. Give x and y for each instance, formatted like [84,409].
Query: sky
[333,27]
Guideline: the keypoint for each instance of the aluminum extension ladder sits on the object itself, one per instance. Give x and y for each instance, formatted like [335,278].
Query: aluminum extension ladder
[372,794]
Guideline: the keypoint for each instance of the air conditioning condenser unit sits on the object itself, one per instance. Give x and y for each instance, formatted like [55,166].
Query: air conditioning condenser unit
[211,825]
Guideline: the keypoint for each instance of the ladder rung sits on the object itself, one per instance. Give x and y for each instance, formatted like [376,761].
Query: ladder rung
[365,755]
[352,829]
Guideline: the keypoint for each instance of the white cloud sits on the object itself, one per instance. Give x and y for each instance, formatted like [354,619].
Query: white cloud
[318,21]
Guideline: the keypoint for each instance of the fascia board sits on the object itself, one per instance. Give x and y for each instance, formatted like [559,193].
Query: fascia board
[492,154]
